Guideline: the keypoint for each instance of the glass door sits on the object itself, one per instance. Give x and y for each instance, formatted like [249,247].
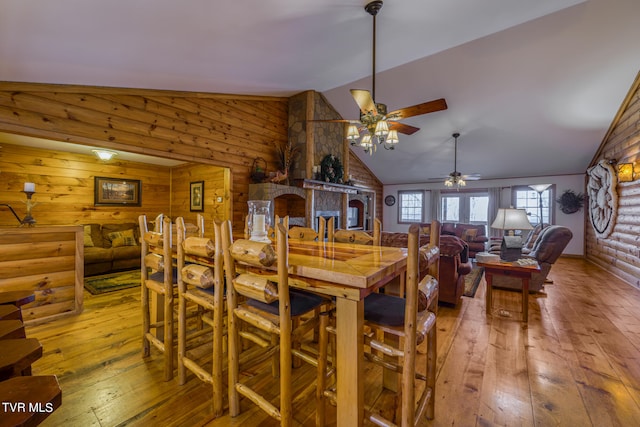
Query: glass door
[467,208]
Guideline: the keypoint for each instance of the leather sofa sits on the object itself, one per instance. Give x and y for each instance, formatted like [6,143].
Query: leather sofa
[474,235]
[111,247]
[454,262]
[546,249]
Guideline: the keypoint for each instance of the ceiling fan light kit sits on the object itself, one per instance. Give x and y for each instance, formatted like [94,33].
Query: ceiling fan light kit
[379,127]
[455,178]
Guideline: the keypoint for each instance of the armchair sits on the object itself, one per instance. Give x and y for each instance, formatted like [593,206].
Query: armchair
[546,249]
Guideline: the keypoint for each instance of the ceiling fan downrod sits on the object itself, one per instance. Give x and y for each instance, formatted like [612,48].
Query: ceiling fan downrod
[372,9]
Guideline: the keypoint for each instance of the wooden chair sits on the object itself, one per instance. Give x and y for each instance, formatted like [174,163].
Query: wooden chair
[397,326]
[329,225]
[272,230]
[201,282]
[269,312]
[158,276]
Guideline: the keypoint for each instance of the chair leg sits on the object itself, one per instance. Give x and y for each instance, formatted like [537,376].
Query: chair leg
[431,369]
[323,344]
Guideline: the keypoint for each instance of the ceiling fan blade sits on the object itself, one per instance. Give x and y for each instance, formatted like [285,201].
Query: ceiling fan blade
[336,121]
[472,177]
[364,100]
[416,110]
[403,128]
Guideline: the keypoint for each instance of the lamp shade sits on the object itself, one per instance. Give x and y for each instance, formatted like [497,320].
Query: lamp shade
[625,172]
[511,219]
[540,187]
[353,133]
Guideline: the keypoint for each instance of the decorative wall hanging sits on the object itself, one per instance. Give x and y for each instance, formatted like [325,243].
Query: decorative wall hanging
[196,200]
[116,192]
[570,202]
[331,169]
[258,170]
[603,200]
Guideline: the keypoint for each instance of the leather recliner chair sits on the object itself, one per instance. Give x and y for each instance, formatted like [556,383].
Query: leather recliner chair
[546,250]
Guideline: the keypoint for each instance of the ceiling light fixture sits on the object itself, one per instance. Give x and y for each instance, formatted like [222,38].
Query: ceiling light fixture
[455,177]
[105,155]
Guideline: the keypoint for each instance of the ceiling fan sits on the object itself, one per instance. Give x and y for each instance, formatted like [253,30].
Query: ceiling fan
[375,122]
[455,178]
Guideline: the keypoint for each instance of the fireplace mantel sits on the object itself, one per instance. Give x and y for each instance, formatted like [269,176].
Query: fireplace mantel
[326,186]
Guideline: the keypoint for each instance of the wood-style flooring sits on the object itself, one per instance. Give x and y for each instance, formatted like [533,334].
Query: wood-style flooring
[576,363]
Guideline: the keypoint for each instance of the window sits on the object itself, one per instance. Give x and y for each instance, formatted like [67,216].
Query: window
[411,206]
[528,199]
[468,208]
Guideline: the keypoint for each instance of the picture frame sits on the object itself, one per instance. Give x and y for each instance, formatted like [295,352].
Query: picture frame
[117,192]
[196,196]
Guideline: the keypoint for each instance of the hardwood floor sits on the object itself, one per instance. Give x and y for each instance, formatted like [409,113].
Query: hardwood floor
[577,363]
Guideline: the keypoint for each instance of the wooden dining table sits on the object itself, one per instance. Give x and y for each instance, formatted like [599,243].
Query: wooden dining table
[348,272]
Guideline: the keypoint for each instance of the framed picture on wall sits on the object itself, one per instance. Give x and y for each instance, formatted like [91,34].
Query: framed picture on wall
[196,200]
[116,192]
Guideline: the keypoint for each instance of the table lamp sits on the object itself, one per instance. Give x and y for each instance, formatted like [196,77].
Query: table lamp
[509,220]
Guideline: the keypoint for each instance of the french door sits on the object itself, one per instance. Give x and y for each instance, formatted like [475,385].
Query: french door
[468,208]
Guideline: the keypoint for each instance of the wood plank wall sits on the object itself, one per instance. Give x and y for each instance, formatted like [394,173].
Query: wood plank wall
[217,198]
[620,252]
[65,186]
[202,128]
[223,130]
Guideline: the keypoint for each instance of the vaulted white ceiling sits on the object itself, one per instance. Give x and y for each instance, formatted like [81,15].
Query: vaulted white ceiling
[531,86]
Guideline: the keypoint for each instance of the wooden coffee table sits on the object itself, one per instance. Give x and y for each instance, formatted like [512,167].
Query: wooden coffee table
[503,268]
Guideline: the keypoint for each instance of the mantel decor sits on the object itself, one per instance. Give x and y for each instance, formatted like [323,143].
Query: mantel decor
[570,201]
[331,169]
[117,192]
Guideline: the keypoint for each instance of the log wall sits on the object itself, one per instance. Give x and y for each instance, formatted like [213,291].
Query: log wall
[619,253]
[65,186]
[223,130]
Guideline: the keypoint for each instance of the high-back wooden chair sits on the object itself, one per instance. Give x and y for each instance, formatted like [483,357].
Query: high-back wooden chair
[398,326]
[272,230]
[406,323]
[157,276]
[271,309]
[201,282]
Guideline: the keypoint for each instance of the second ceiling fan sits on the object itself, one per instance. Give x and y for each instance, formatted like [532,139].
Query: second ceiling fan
[378,125]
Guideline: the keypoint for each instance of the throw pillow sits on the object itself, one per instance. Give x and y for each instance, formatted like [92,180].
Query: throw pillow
[88,241]
[122,238]
[469,234]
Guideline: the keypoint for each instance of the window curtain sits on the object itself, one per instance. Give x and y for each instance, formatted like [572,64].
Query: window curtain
[435,205]
[495,196]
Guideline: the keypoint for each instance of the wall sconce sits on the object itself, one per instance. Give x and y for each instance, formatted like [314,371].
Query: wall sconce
[625,172]
[105,155]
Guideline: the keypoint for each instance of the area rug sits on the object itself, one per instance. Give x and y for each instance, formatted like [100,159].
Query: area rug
[472,280]
[112,282]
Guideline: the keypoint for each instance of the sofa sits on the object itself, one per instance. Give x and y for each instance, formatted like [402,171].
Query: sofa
[474,235]
[111,247]
[454,262]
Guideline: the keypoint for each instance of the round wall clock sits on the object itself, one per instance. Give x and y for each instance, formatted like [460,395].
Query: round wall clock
[603,200]
[389,200]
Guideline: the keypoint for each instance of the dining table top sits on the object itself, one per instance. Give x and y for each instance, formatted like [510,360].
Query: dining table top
[344,270]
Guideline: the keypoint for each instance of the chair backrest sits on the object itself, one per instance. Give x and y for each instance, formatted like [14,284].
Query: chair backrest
[353,236]
[199,259]
[156,248]
[303,233]
[272,231]
[550,243]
